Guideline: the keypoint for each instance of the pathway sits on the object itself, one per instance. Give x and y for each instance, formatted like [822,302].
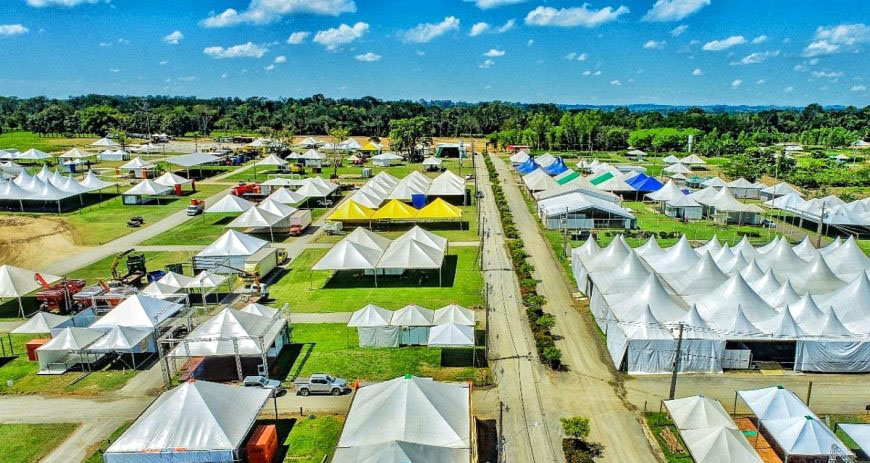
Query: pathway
[588,388]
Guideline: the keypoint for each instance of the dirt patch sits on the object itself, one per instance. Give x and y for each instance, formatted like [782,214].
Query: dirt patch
[35,242]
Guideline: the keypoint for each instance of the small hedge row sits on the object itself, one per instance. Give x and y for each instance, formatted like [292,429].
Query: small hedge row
[663,235]
[541,323]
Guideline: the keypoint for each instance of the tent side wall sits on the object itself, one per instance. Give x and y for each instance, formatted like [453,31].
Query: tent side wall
[149,456]
[832,356]
[378,336]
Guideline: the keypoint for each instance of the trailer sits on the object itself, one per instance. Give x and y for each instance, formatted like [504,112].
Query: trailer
[299,221]
[262,262]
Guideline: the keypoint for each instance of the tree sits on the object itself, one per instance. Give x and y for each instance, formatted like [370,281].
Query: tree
[406,134]
[539,126]
[100,119]
[338,134]
[575,427]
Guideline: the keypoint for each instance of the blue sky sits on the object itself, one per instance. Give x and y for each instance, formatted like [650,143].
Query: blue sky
[789,52]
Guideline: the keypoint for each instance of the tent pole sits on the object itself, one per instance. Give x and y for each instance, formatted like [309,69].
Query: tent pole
[20,307]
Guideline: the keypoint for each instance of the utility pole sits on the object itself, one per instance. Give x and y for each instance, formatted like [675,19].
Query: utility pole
[676,364]
[821,226]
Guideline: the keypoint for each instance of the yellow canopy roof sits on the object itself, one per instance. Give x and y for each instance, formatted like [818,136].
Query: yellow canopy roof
[395,209]
[439,209]
[351,210]
[370,147]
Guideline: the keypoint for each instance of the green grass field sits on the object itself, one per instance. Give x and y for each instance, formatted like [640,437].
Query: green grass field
[154,260]
[96,455]
[657,423]
[22,373]
[312,438]
[335,350]
[23,141]
[203,230]
[29,443]
[321,291]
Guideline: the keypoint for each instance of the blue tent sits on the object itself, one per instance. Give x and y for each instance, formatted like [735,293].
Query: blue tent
[527,166]
[557,167]
[639,178]
[648,185]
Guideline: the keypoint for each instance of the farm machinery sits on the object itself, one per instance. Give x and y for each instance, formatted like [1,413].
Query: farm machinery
[58,297]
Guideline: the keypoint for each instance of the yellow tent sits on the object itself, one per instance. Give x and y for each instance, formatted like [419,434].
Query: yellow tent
[440,209]
[395,210]
[370,147]
[351,210]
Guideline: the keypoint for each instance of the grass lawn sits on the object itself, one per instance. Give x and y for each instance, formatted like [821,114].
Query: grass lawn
[100,224]
[23,141]
[312,438]
[657,423]
[449,230]
[28,443]
[22,372]
[203,229]
[154,260]
[334,349]
[848,419]
[96,454]
[326,291]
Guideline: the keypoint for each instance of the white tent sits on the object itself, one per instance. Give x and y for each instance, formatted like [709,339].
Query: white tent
[386,159]
[411,254]
[33,154]
[271,160]
[742,188]
[454,313]
[105,142]
[175,280]
[669,192]
[693,160]
[677,168]
[148,188]
[719,445]
[428,419]
[277,208]
[368,239]
[373,327]
[206,280]
[347,255]
[774,403]
[804,435]
[94,183]
[124,339]
[451,335]
[698,412]
[197,421]
[43,322]
[232,332]
[519,157]
[780,189]
[859,433]
[17,282]
[257,219]
[160,290]
[260,309]
[538,180]
[309,142]
[720,306]
[67,349]
[644,344]
[75,153]
[138,311]
[285,196]
[230,204]
[230,250]
[671,159]
[415,323]
[171,180]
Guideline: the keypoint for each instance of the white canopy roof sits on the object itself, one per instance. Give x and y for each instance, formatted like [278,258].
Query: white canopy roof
[721,305]
[670,159]
[369,316]
[804,435]
[347,255]
[698,412]
[280,209]
[260,309]
[409,409]
[42,322]
[195,416]
[160,290]
[271,160]
[253,334]
[120,339]
[669,192]
[137,163]
[411,254]
[72,339]
[451,335]
[206,279]
[311,188]
[693,160]
[424,236]
[18,282]
[192,159]
[33,154]
[368,238]
[169,179]
[714,182]
[719,445]
[519,157]
[104,142]
[308,141]
[575,202]
[774,403]
[677,168]
[176,280]
[138,311]
[148,188]
[851,302]
[538,180]
[781,189]
[454,313]
[413,315]
[285,196]
[255,217]
[742,183]
[859,433]
[664,306]
[233,243]
[230,204]
[75,153]
[94,183]
[367,199]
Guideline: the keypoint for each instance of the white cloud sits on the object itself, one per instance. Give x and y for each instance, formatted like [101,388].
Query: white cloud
[105,44]
[173,38]
[267,11]
[187,78]
[813,62]
[858,88]
[587,73]
[298,37]
[736,83]
[571,56]
[421,53]
[114,70]
[755,58]
[655,44]
[11,30]
[788,89]
[493,53]
[341,35]
[509,25]
[615,83]
[800,68]
[163,63]
[368,57]
[66,3]
[575,16]
[280,59]
[760,39]
[698,72]
[582,56]
[245,50]
[759,82]
[724,44]
[596,73]
[426,32]
[478,29]
[530,42]
[270,67]
[487,4]
[123,41]
[487,64]
[678,31]
[835,39]
[225,75]
[673,10]
[830,75]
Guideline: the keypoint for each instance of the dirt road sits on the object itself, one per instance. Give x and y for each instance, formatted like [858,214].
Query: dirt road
[589,388]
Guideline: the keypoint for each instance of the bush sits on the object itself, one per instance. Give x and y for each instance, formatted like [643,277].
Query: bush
[575,446]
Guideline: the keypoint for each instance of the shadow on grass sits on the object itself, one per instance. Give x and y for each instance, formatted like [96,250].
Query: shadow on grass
[463,357]
[283,368]
[455,225]
[409,279]
[9,308]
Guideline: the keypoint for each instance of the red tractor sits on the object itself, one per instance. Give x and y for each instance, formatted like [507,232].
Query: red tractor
[59,296]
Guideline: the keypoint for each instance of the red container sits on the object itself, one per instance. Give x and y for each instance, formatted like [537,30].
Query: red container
[32,345]
[263,444]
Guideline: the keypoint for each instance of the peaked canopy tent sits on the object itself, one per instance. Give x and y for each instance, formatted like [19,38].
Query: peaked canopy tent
[693,161]
[257,219]
[519,157]
[249,339]
[139,168]
[125,340]
[677,168]
[744,189]
[775,191]
[75,153]
[386,159]
[139,311]
[230,204]
[194,160]
[538,180]
[719,445]
[175,182]
[698,412]
[430,420]
[16,282]
[44,322]
[144,191]
[197,421]
[804,438]
[351,211]
[68,349]
[451,335]
[575,211]
[228,253]
[373,327]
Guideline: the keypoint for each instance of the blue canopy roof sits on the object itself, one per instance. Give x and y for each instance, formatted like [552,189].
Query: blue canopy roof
[527,166]
[639,178]
[557,167]
[647,185]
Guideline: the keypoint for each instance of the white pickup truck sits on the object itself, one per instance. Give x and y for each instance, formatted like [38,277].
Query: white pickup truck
[321,383]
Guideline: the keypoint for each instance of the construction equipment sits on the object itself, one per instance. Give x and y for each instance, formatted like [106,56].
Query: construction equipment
[243,189]
[135,268]
[58,297]
[196,207]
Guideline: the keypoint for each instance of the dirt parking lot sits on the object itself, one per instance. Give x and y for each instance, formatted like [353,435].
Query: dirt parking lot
[34,242]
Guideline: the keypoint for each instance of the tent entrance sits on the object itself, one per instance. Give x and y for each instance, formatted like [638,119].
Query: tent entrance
[778,351]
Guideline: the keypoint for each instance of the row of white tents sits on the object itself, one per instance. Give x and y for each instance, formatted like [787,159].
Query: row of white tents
[383,187]
[818,299]
[829,210]
[449,326]
[310,187]
[48,186]
[709,201]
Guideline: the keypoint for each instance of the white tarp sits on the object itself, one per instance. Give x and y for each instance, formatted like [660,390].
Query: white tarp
[198,421]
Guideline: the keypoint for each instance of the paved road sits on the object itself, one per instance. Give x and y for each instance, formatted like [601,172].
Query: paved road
[530,435]
[588,388]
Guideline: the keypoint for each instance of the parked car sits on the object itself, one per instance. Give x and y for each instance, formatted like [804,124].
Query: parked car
[768,223]
[321,383]
[265,383]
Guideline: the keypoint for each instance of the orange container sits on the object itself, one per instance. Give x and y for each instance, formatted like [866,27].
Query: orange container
[263,444]
[32,345]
